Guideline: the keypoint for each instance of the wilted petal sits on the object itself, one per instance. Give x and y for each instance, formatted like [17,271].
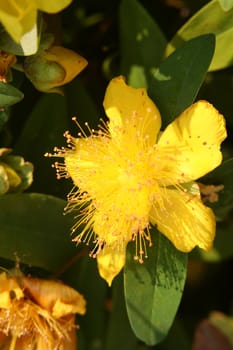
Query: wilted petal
[55,297]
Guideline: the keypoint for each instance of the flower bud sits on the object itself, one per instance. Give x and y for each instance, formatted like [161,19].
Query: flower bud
[15,173]
[53,67]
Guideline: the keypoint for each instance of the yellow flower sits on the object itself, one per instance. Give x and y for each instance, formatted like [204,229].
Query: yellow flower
[19,16]
[38,314]
[130,176]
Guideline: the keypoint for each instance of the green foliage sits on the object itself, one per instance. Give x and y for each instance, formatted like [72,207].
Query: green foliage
[9,95]
[153,290]
[142,43]
[177,80]
[31,226]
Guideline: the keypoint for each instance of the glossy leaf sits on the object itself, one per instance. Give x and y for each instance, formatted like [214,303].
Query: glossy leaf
[34,229]
[142,43]
[9,95]
[153,289]
[43,131]
[209,19]
[176,82]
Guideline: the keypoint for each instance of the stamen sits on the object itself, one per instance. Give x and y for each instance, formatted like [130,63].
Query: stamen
[82,134]
[99,246]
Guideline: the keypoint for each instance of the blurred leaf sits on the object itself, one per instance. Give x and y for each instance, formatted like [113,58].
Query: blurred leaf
[142,43]
[153,290]
[4,116]
[80,104]
[84,276]
[177,337]
[214,333]
[177,81]
[223,323]
[209,19]
[9,95]
[119,332]
[226,4]
[222,175]
[223,244]
[28,44]
[43,131]
[45,126]
[34,229]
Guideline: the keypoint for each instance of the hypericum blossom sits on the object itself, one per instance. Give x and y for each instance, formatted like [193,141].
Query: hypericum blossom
[38,314]
[129,176]
[19,16]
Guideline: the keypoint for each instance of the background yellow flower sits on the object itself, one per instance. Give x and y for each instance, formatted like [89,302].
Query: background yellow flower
[19,16]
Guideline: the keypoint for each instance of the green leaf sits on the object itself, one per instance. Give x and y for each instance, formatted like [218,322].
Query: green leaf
[34,229]
[176,82]
[210,19]
[226,4]
[43,131]
[4,116]
[9,95]
[142,43]
[153,289]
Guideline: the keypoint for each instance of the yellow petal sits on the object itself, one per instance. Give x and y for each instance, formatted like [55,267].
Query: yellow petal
[9,290]
[71,62]
[17,18]
[110,262]
[194,140]
[131,111]
[184,220]
[52,6]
